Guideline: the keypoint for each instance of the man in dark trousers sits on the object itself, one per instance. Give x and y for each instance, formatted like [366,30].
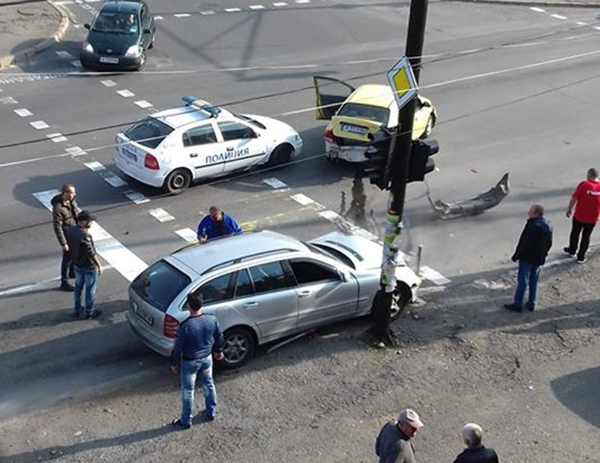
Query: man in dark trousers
[475,452]
[64,214]
[217,224]
[393,443]
[85,263]
[197,338]
[531,252]
[586,200]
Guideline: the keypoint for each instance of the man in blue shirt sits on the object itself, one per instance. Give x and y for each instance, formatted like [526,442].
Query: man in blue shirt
[217,224]
[192,354]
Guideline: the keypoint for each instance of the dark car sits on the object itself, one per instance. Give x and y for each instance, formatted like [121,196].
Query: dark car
[120,35]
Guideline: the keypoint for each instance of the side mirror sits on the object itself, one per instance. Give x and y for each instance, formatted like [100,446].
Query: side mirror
[87,26]
[147,31]
[343,276]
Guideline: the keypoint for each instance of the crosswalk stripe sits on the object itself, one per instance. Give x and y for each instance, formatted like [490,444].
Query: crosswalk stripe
[112,251]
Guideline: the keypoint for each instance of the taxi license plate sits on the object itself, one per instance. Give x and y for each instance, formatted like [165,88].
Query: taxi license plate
[143,315]
[128,154]
[108,60]
[354,129]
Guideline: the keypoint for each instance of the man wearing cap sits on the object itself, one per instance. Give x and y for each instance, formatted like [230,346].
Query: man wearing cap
[393,443]
[86,264]
[475,452]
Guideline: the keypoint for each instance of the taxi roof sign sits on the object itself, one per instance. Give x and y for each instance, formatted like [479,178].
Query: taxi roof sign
[403,82]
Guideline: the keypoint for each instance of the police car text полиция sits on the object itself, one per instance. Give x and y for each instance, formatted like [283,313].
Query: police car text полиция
[198,140]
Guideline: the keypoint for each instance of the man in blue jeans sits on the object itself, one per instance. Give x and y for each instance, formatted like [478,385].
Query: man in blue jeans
[531,252]
[197,338]
[85,263]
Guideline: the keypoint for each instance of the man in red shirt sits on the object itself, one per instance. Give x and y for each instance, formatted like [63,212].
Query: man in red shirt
[586,200]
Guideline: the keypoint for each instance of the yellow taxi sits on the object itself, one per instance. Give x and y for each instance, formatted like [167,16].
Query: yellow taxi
[356,114]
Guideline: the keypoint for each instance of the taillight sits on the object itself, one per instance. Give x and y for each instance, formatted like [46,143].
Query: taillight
[170,327]
[329,135]
[150,162]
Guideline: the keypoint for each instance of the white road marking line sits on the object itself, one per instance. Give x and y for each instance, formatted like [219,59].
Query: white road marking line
[39,125]
[597,28]
[188,235]
[94,165]
[114,180]
[232,10]
[302,199]
[275,183]
[125,93]
[76,151]
[206,13]
[256,7]
[108,83]
[77,26]
[136,197]
[76,63]
[23,112]
[25,288]
[112,251]
[522,45]
[279,4]
[64,54]
[161,215]
[302,1]
[182,15]
[8,100]
[56,137]
[64,2]
[581,23]
[158,18]
[93,1]
[537,10]
[558,16]
[143,104]
[434,276]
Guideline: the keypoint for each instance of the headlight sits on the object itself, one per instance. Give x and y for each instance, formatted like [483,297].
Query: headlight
[87,46]
[133,50]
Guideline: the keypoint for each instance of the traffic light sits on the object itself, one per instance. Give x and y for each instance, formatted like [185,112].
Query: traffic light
[377,165]
[420,159]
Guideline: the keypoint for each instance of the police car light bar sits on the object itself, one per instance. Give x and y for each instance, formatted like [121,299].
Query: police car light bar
[190,100]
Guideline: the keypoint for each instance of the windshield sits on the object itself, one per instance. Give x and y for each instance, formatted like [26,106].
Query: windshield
[116,22]
[251,121]
[363,111]
[330,252]
[149,132]
[159,284]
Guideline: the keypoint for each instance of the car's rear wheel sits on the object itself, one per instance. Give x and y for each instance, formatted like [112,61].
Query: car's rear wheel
[238,346]
[178,181]
[281,155]
[401,298]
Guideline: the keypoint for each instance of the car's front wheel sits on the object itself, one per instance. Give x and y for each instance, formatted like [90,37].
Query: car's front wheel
[281,155]
[178,181]
[238,346]
[142,63]
[401,298]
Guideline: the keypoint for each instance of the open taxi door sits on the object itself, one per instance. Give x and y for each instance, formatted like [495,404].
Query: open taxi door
[331,93]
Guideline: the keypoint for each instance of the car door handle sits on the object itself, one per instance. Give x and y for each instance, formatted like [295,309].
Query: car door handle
[250,305]
[304,293]
[193,155]
[230,148]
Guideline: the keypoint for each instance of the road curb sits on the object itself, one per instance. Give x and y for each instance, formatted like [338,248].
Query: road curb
[552,4]
[29,53]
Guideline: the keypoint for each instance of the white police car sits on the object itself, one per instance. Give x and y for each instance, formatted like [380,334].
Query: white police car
[198,140]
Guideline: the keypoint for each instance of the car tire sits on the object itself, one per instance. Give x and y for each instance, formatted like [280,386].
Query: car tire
[402,297]
[239,344]
[281,155]
[178,181]
[152,42]
[428,128]
[142,61]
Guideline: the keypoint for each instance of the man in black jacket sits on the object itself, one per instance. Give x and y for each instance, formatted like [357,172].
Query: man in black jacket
[475,452]
[531,252]
[64,213]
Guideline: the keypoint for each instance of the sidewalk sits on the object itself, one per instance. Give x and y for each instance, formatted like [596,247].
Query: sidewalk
[27,27]
[539,3]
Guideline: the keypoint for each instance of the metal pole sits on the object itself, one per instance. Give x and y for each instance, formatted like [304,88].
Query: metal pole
[399,173]
[419,257]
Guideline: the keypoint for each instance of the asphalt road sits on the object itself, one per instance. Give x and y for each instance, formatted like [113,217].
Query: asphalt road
[515,89]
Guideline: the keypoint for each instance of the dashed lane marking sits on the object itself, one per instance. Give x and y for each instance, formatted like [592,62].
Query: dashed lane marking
[161,215]
[558,16]
[207,13]
[94,166]
[188,235]
[76,63]
[275,183]
[279,4]
[39,125]
[136,197]
[597,28]
[256,7]
[182,15]
[76,151]
[302,199]
[159,18]
[232,10]
[114,180]
[8,100]
[64,54]
[112,251]
[302,1]
[537,10]
[126,93]
[23,112]
[108,83]
[64,2]
[581,23]
[143,104]
[56,137]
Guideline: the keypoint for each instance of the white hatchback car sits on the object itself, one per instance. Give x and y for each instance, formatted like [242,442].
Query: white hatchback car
[198,140]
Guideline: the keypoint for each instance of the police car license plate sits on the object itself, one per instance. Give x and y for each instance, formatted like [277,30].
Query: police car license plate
[108,60]
[143,315]
[128,154]
[354,129]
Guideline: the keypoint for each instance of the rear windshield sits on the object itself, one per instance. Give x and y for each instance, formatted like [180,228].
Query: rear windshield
[363,111]
[159,284]
[149,132]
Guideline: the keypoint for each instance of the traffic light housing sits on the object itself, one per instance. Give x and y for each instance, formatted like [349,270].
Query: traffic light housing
[420,159]
[377,166]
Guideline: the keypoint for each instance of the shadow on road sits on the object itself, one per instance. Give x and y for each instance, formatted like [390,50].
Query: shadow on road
[579,393]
